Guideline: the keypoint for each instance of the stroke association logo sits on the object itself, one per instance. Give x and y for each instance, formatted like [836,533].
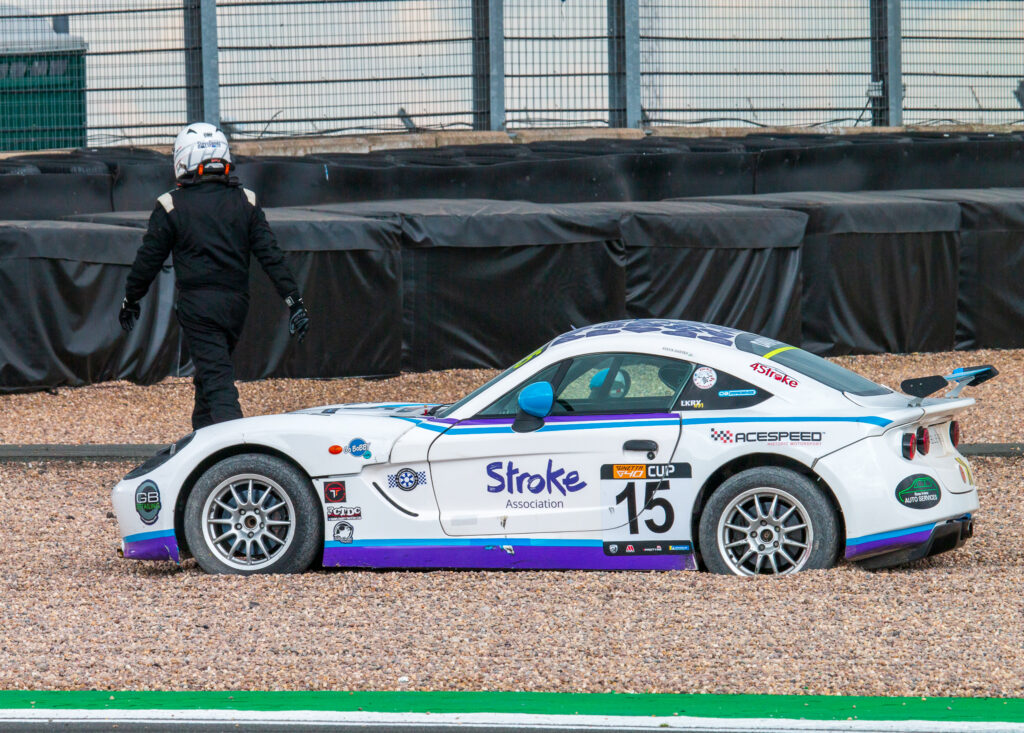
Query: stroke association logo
[507,477]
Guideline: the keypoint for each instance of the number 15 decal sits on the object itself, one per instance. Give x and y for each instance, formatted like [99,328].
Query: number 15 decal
[628,495]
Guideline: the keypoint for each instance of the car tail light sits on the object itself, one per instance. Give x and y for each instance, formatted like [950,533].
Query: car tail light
[924,441]
[909,446]
[954,433]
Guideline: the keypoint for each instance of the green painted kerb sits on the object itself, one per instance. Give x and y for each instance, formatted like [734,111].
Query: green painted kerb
[812,707]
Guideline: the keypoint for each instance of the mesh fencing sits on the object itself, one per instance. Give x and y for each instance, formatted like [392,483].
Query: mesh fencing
[963,61]
[113,72]
[752,62]
[337,66]
[556,62]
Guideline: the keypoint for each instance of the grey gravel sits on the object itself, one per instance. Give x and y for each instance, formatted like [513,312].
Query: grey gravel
[74,616]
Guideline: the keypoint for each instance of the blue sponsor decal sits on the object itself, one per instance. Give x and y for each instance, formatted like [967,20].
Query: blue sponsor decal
[737,392]
[359,448]
[509,478]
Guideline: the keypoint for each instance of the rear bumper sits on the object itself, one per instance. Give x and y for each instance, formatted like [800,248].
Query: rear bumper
[889,549]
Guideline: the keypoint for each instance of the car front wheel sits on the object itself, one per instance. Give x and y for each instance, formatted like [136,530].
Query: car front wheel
[253,513]
[768,521]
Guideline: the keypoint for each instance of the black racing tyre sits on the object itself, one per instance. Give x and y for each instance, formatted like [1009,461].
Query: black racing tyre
[254,513]
[768,521]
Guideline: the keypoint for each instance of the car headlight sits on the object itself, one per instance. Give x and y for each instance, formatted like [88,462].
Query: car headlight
[160,457]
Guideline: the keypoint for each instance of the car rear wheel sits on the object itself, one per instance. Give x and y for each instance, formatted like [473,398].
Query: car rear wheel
[253,513]
[768,521]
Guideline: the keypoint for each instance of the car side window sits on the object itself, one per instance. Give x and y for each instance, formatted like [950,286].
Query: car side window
[507,405]
[620,383]
[713,389]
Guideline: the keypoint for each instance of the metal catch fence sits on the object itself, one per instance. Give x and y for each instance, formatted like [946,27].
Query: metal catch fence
[120,72]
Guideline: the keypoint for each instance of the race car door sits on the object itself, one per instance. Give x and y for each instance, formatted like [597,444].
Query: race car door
[610,408]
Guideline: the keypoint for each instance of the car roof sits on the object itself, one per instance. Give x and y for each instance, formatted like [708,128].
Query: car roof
[647,327]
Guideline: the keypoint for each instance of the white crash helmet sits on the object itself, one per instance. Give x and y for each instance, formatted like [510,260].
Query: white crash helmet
[201,145]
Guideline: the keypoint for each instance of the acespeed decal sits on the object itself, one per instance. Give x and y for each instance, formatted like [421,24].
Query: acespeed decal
[775,437]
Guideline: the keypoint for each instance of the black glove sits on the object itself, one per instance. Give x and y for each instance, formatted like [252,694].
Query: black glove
[298,323]
[130,310]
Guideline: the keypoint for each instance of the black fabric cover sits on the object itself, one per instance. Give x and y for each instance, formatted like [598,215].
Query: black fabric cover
[879,272]
[486,282]
[349,273]
[554,178]
[730,265]
[61,285]
[991,297]
[53,195]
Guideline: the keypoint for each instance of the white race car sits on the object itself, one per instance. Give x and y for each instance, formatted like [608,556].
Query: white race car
[633,445]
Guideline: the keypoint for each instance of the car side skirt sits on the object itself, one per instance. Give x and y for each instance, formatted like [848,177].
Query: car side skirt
[501,553]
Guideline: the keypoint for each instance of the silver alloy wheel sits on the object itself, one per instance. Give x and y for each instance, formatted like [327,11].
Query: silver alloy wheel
[765,531]
[249,521]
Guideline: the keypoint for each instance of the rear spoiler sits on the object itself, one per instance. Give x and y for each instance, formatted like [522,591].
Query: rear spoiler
[921,387]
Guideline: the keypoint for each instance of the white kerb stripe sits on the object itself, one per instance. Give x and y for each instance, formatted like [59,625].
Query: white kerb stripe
[251,195]
[487,721]
[166,201]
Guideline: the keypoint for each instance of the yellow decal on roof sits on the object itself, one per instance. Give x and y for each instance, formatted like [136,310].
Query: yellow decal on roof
[770,354]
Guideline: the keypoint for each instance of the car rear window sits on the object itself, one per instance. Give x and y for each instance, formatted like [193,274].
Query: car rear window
[806,363]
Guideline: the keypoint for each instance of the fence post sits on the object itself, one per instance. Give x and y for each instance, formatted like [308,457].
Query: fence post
[624,63]
[488,65]
[886,64]
[202,77]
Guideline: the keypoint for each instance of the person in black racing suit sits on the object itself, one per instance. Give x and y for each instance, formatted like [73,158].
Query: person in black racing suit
[211,225]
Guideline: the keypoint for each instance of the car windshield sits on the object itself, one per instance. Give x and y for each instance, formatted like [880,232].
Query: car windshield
[446,410]
[806,363]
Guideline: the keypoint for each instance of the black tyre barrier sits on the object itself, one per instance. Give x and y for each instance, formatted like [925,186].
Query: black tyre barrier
[879,272]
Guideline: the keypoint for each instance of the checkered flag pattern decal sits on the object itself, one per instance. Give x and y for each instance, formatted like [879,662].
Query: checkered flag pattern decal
[724,436]
[406,479]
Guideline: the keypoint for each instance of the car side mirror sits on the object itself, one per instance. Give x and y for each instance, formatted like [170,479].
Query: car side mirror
[535,401]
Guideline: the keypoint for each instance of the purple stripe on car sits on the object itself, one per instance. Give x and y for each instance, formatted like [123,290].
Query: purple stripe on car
[888,543]
[155,548]
[524,557]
